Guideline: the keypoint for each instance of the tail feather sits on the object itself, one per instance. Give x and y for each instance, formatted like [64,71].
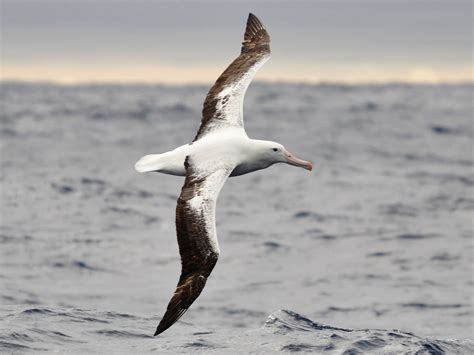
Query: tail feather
[150,162]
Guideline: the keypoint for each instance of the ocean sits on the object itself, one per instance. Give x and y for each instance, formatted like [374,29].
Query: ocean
[372,252]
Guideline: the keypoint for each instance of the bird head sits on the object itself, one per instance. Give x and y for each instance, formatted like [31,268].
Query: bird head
[277,153]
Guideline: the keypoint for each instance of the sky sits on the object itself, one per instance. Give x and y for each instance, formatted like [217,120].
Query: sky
[348,41]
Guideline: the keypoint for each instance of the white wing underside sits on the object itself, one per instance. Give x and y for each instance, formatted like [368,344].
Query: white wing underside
[231,101]
[223,106]
[204,203]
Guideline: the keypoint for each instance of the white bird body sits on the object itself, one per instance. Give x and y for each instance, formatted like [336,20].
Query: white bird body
[223,144]
[220,149]
[231,144]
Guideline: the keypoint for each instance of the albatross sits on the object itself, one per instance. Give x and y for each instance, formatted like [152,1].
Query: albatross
[221,148]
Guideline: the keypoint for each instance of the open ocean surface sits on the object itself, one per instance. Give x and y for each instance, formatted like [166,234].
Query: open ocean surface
[372,252]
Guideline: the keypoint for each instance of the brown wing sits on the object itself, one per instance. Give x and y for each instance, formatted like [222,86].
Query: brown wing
[223,104]
[197,239]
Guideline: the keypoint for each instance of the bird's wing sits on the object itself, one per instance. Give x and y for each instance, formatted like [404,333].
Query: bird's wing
[196,230]
[223,105]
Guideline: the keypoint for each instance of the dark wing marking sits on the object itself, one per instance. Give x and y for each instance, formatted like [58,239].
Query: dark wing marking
[197,239]
[223,104]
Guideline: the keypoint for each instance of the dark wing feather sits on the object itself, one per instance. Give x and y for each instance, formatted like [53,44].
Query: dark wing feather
[223,104]
[195,226]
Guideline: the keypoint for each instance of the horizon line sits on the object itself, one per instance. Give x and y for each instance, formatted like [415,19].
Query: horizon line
[257,81]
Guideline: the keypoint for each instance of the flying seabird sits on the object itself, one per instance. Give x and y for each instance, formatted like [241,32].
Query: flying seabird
[220,149]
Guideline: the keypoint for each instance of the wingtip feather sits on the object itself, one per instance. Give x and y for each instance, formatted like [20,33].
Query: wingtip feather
[253,19]
[255,35]
[170,318]
[253,23]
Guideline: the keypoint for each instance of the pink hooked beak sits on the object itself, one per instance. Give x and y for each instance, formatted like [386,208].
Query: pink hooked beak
[292,160]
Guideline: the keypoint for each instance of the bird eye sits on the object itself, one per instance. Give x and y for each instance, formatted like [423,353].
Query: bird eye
[275,149]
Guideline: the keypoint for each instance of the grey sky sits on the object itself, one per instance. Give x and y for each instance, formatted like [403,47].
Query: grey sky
[317,40]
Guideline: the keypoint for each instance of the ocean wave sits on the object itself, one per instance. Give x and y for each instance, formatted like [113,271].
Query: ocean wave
[356,341]
[53,329]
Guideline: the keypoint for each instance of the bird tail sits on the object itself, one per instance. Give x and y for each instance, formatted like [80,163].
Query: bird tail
[150,162]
